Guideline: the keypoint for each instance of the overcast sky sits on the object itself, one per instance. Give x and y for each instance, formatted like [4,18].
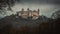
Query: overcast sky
[41,1]
[47,7]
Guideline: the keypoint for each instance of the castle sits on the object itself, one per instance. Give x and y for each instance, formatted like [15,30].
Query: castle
[29,13]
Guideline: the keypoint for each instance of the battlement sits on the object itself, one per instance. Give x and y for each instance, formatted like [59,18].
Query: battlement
[29,13]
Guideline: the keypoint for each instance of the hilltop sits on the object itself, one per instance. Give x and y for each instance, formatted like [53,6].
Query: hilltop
[19,21]
[18,25]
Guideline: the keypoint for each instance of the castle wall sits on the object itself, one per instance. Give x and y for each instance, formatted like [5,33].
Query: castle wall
[30,13]
[26,14]
[35,15]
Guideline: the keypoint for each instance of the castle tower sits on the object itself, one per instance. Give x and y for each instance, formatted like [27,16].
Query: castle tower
[22,10]
[28,11]
[38,11]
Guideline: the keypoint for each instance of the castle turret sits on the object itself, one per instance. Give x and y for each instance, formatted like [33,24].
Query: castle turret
[28,11]
[38,11]
[22,10]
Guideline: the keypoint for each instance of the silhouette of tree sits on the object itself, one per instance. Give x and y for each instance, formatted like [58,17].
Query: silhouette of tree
[6,3]
[56,14]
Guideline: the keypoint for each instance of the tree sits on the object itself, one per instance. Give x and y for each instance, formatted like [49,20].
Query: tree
[5,3]
[56,15]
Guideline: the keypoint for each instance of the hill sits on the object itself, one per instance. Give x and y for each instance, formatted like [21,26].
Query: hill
[16,24]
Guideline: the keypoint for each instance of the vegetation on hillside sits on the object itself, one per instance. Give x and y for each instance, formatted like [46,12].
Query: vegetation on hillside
[14,24]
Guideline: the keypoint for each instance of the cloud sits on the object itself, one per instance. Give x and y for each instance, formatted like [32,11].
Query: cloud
[41,1]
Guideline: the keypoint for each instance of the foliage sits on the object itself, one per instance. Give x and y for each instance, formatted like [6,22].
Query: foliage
[56,14]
